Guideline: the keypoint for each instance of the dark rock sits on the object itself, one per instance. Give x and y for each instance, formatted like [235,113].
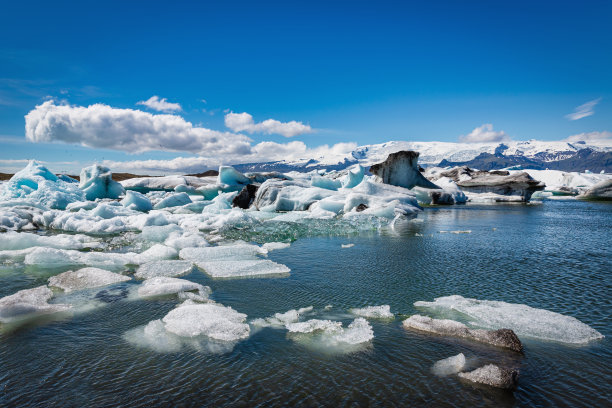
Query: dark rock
[493,376]
[361,207]
[499,182]
[400,169]
[245,198]
[440,197]
[505,338]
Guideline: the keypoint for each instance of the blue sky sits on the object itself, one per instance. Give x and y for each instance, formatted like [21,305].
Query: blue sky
[355,72]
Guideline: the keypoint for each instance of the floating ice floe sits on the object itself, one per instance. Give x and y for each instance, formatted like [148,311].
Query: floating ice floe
[450,365]
[96,182]
[173,200]
[501,338]
[282,319]
[233,261]
[522,319]
[166,183]
[35,184]
[331,334]
[374,312]
[493,376]
[85,278]
[456,232]
[347,245]
[28,303]
[167,268]
[273,246]
[164,286]
[209,327]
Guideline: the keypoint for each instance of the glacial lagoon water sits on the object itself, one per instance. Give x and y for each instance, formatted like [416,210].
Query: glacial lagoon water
[554,255]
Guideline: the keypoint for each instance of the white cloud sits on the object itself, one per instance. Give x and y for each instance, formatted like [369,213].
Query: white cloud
[590,137]
[128,130]
[239,122]
[583,110]
[485,134]
[160,105]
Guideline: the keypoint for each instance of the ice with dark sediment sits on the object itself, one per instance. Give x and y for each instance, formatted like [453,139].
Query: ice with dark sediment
[522,319]
[28,303]
[493,376]
[85,278]
[501,338]
[450,365]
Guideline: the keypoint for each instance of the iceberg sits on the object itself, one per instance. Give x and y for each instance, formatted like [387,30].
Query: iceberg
[97,182]
[325,182]
[85,278]
[28,303]
[136,201]
[522,319]
[230,176]
[35,184]
[173,200]
[353,177]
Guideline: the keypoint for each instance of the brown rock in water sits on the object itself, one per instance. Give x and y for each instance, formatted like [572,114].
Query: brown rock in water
[493,376]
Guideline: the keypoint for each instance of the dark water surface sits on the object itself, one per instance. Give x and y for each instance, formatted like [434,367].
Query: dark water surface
[554,256]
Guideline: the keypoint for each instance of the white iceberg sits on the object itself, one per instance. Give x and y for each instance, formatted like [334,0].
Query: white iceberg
[136,201]
[450,365]
[173,200]
[229,175]
[164,286]
[374,312]
[28,303]
[167,268]
[96,182]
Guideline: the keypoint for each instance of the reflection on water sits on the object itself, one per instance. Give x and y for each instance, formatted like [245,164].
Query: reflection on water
[553,256]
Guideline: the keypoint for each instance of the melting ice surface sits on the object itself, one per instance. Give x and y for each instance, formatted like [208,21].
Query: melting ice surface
[523,319]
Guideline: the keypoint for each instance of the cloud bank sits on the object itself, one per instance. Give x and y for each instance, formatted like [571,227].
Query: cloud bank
[583,110]
[243,122]
[133,131]
[160,105]
[590,137]
[485,134]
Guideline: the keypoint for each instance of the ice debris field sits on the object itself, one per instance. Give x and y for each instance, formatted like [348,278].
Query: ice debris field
[138,239]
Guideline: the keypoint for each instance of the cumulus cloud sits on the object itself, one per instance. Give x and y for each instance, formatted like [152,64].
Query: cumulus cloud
[583,110]
[485,134]
[261,152]
[590,137]
[239,122]
[128,130]
[160,105]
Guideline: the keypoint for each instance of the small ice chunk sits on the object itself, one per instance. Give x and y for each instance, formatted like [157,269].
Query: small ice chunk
[159,233]
[22,240]
[282,319]
[493,376]
[347,245]
[450,365]
[211,319]
[167,268]
[359,331]
[96,182]
[155,337]
[136,201]
[313,325]
[374,312]
[164,286]
[51,257]
[85,278]
[155,253]
[273,246]
[522,319]
[28,303]
[220,253]
[457,232]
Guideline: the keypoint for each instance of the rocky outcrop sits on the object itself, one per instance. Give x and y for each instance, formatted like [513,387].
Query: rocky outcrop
[599,191]
[493,376]
[245,198]
[401,169]
[499,184]
[504,338]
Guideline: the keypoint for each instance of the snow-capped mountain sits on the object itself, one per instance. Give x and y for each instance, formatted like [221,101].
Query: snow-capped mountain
[535,154]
